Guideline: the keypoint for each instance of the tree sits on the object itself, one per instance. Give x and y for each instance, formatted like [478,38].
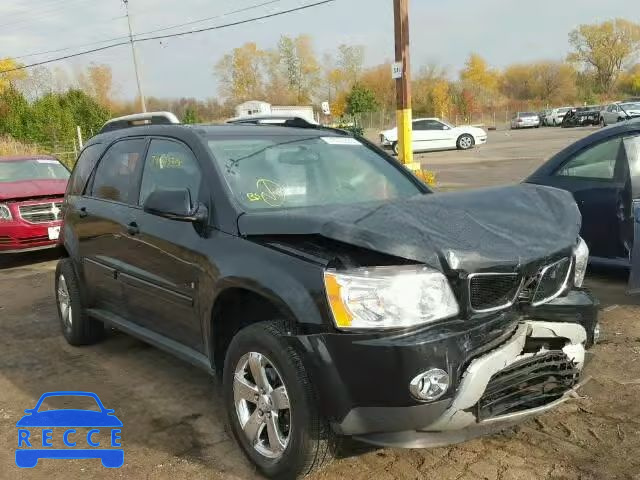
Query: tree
[554,82]
[351,61]
[240,73]
[360,100]
[604,48]
[477,74]
[300,66]
[517,82]
[190,116]
[9,78]
[630,81]
[97,82]
[378,80]
[430,80]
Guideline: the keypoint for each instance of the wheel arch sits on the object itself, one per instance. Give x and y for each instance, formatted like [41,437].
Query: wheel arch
[237,306]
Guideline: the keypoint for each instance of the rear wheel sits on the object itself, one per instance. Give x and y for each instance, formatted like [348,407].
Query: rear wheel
[271,405]
[77,327]
[465,142]
[396,149]
[602,122]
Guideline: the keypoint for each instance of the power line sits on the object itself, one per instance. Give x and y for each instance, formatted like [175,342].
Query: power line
[178,34]
[222,15]
[48,13]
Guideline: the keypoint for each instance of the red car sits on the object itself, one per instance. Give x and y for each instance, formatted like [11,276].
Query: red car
[31,193]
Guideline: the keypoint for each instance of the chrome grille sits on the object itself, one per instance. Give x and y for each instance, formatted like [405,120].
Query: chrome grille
[492,291]
[41,212]
[529,383]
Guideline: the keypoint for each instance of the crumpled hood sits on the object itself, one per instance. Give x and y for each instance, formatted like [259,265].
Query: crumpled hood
[467,231]
[32,188]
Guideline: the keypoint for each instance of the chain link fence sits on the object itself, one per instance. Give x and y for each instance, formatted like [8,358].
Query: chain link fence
[65,150]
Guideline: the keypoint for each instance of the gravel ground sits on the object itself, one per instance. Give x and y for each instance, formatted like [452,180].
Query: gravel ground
[173,415]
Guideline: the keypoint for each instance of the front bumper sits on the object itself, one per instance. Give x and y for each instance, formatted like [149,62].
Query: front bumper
[363,380]
[23,237]
[458,422]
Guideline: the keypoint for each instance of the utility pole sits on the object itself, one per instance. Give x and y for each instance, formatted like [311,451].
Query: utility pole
[143,104]
[403,83]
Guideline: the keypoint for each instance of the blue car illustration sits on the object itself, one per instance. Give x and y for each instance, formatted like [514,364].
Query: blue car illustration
[70,419]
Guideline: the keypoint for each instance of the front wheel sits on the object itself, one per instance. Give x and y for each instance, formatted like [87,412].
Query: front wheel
[395,148]
[271,405]
[465,142]
[602,122]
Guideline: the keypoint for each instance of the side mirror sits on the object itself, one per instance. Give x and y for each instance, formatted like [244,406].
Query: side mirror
[175,205]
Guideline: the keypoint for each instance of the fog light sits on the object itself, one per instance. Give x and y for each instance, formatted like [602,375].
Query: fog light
[429,385]
[596,333]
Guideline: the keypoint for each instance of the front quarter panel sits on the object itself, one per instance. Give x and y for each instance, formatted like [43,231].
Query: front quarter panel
[294,285]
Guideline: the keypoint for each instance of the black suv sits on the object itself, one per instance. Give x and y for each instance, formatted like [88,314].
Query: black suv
[330,290]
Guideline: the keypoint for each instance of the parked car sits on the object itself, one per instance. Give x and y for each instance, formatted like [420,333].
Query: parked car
[31,192]
[525,120]
[601,171]
[545,117]
[306,268]
[436,134]
[557,114]
[619,112]
[582,116]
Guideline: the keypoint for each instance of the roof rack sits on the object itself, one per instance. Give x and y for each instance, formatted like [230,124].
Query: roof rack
[148,118]
[283,121]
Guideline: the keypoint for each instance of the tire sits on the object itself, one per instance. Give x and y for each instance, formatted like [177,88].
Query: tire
[602,122]
[77,327]
[555,124]
[309,443]
[395,148]
[465,142]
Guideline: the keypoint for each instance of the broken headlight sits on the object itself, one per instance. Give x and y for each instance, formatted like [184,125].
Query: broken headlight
[388,297]
[581,254]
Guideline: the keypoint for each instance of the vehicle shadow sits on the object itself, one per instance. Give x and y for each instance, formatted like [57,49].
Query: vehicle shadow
[17,260]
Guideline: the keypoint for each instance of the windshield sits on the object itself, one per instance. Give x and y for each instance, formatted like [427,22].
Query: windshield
[528,114]
[631,106]
[287,171]
[44,169]
[564,110]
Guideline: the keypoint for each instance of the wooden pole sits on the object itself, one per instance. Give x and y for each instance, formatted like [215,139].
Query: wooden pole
[403,84]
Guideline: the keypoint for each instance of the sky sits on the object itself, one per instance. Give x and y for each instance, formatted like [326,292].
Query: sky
[442,32]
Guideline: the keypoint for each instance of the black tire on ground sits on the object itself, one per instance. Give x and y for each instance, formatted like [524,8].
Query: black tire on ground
[311,444]
[82,329]
[602,122]
[465,142]
[537,126]
[395,148]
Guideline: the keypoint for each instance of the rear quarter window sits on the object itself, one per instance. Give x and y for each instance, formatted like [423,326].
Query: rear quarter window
[83,168]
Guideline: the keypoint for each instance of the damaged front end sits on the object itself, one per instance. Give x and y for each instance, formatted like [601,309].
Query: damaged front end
[495,332]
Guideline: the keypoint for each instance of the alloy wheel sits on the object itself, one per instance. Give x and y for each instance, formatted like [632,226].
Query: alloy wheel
[466,142]
[64,302]
[262,404]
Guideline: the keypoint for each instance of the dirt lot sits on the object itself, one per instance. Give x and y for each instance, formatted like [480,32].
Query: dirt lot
[172,413]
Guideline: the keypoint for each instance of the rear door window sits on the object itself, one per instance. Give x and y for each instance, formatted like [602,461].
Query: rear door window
[116,177]
[170,165]
[84,166]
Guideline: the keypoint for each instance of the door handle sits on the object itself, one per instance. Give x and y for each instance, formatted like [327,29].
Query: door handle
[132,228]
[83,212]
